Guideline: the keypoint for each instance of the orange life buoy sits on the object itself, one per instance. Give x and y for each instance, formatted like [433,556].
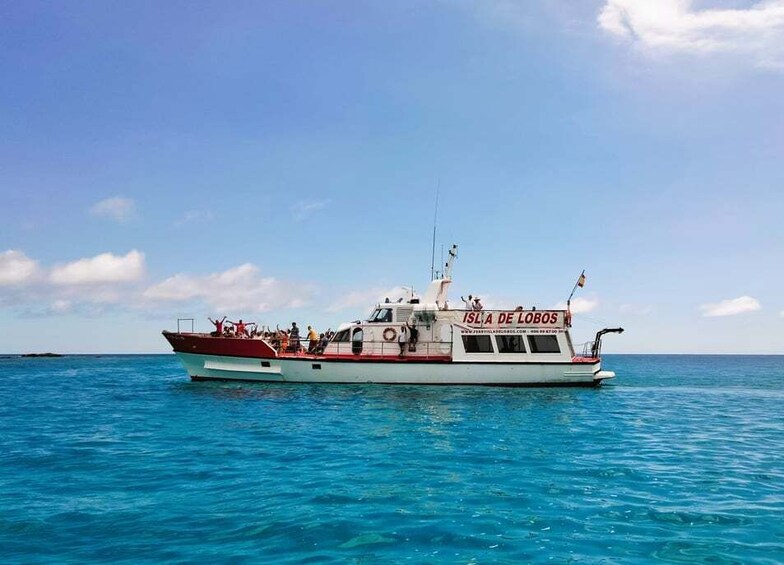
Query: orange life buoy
[390,334]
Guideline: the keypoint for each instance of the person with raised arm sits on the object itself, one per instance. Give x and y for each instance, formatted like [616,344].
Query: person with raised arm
[218,326]
[239,328]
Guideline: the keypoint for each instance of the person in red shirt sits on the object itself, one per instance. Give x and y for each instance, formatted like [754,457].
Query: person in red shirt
[218,326]
[239,328]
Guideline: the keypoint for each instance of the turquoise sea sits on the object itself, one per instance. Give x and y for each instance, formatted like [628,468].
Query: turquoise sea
[124,459]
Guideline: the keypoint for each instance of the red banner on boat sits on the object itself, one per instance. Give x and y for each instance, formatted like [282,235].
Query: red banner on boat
[515,319]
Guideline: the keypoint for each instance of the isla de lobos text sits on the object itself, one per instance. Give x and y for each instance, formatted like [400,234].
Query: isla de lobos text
[515,318]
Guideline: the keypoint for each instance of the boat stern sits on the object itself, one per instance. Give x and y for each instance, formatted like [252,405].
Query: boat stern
[603,376]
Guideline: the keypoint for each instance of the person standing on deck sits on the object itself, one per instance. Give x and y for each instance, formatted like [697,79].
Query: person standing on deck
[402,339]
[294,337]
[468,303]
[313,339]
[477,305]
[414,338]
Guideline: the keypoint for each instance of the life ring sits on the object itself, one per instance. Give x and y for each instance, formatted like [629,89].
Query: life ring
[390,334]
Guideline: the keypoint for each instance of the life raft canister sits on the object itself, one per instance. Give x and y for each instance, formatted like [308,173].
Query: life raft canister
[390,334]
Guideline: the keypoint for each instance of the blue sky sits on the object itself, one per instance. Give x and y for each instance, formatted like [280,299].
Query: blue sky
[278,161]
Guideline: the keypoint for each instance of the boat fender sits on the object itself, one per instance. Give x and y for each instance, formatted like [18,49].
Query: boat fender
[390,334]
[568,319]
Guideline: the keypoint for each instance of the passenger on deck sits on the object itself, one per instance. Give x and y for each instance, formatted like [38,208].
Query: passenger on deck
[218,326]
[323,342]
[468,303]
[313,338]
[239,328]
[412,341]
[477,305]
[402,339]
[294,338]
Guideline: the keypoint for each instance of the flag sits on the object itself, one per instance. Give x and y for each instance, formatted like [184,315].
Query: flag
[581,280]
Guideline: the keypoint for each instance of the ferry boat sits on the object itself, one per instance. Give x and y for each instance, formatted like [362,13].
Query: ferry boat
[453,347]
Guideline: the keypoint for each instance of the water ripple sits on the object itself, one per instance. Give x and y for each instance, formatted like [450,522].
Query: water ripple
[122,459]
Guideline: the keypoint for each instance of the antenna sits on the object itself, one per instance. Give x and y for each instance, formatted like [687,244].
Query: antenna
[435,222]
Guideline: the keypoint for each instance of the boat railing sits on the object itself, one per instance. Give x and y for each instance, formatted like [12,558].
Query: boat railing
[183,322]
[592,349]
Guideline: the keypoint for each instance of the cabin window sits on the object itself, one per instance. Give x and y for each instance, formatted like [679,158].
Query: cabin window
[510,343]
[477,344]
[341,337]
[356,341]
[543,344]
[383,315]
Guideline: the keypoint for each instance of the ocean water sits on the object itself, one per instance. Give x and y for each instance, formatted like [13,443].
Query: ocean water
[124,459]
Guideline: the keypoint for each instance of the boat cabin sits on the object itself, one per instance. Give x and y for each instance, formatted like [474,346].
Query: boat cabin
[435,331]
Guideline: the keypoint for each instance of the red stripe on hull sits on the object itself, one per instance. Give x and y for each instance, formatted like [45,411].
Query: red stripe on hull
[204,344]
[585,360]
[228,346]
[377,358]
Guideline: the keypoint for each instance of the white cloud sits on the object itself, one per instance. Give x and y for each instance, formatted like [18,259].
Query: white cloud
[193,217]
[237,289]
[93,284]
[16,267]
[580,305]
[303,209]
[117,208]
[673,26]
[781,313]
[103,268]
[86,283]
[730,307]
[366,299]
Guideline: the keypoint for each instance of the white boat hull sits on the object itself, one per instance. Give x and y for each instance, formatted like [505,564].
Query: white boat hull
[322,370]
